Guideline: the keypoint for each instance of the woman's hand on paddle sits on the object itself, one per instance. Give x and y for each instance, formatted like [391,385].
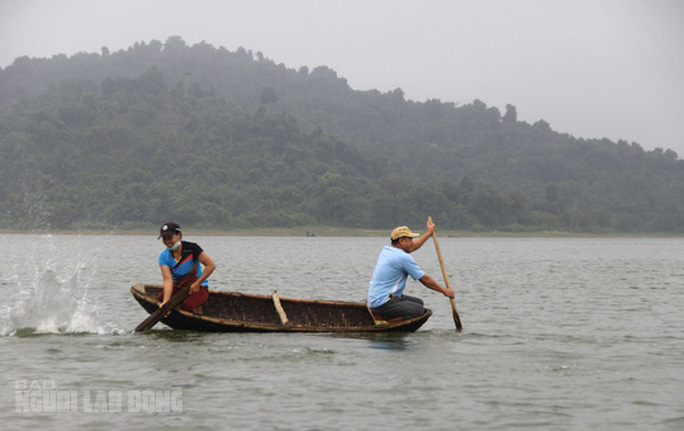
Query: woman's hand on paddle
[161,305]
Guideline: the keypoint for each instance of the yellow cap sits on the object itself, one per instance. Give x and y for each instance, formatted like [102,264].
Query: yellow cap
[403,231]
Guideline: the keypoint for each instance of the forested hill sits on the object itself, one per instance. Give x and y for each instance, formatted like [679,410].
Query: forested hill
[215,138]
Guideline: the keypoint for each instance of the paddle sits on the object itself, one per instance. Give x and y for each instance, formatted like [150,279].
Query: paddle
[457,319]
[172,303]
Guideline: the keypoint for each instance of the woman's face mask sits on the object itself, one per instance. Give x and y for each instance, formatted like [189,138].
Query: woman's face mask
[172,242]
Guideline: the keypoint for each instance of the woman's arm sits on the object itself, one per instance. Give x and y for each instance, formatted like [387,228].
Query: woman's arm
[168,283]
[209,267]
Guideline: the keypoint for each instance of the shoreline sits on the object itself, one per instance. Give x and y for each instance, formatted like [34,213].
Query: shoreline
[332,232]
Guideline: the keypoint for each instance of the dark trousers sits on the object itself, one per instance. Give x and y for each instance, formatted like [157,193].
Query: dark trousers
[404,306]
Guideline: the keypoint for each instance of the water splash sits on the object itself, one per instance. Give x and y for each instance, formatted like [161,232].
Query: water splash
[52,302]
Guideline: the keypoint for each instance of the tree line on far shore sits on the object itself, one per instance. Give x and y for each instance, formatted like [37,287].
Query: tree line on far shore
[217,139]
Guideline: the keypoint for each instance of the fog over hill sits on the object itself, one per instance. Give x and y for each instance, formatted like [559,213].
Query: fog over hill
[593,69]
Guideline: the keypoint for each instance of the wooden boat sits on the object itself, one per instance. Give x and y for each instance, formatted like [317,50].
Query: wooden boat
[239,312]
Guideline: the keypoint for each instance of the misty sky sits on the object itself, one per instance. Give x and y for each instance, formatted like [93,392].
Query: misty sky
[591,68]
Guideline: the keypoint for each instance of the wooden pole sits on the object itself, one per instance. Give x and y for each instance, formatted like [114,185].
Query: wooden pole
[457,319]
[159,314]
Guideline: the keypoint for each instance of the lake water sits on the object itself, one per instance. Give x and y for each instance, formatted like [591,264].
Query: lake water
[563,334]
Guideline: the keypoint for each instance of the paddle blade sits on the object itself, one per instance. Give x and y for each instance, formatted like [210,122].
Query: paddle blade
[457,318]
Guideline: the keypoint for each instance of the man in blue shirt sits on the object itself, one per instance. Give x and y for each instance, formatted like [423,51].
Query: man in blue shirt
[395,265]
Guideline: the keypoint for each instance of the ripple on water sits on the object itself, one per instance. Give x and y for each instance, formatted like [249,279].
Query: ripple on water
[562,334]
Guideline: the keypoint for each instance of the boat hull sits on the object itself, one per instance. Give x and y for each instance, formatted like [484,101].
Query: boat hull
[238,312]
